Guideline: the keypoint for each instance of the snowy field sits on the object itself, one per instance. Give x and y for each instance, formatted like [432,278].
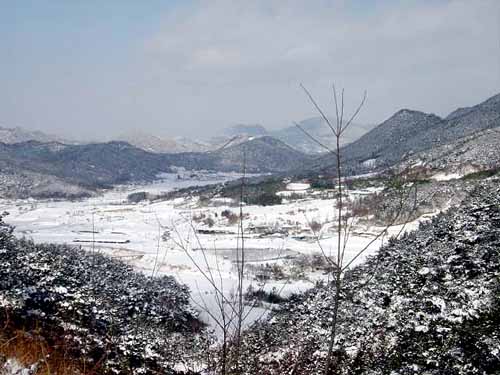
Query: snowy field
[148,235]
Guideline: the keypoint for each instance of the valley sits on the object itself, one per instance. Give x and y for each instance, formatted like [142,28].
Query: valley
[248,248]
[150,235]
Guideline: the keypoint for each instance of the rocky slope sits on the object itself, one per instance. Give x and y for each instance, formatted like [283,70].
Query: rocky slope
[428,303]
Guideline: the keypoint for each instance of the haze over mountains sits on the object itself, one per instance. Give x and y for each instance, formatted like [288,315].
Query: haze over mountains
[230,136]
[18,134]
[235,134]
[27,156]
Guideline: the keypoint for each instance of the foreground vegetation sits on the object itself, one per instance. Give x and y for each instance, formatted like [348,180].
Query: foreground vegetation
[63,307]
[428,303]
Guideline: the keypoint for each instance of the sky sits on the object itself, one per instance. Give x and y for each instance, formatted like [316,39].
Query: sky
[96,69]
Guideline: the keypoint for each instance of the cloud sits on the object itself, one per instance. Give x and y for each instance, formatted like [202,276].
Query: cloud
[429,55]
[209,64]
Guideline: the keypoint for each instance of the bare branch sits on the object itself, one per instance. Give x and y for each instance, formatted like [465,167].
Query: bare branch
[342,113]
[317,239]
[314,139]
[355,113]
[319,109]
[339,124]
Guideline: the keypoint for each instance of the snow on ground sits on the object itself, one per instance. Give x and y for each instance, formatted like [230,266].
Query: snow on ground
[147,235]
[298,186]
[13,367]
[443,176]
[370,163]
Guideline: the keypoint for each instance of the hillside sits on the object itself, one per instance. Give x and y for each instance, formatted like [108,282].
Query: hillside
[463,122]
[93,165]
[72,309]
[408,132]
[392,139]
[265,154]
[16,183]
[426,303]
[473,153]
[384,145]
[58,170]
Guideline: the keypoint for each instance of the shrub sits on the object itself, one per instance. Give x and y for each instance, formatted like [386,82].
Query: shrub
[231,217]
[481,174]
[271,296]
[264,199]
[323,183]
[209,222]
[315,226]
[137,197]
[109,315]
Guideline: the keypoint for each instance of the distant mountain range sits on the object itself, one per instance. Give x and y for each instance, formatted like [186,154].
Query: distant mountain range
[295,137]
[46,163]
[230,136]
[153,143]
[240,133]
[264,154]
[100,165]
[18,134]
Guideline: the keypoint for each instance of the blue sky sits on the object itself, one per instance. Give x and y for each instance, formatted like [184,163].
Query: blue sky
[54,50]
[95,69]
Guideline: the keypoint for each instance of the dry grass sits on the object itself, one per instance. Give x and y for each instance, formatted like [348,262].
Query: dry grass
[30,347]
[232,218]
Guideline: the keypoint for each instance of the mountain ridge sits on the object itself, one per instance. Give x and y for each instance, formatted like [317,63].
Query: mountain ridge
[408,132]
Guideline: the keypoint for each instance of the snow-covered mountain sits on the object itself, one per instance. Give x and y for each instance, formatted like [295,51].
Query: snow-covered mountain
[408,132]
[153,143]
[292,135]
[18,134]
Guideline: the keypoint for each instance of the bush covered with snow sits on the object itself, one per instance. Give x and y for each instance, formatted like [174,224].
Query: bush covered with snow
[428,303]
[105,312]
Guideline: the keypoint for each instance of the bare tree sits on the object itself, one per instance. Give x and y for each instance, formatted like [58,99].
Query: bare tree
[231,311]
[231,308]
[339,264]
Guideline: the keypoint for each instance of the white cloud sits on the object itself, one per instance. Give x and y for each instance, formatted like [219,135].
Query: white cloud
[251,55]
[213,63]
